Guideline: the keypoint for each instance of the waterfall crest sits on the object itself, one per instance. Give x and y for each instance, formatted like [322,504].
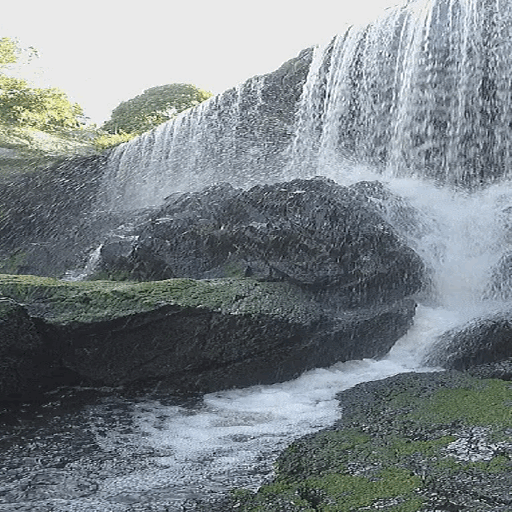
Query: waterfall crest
[425,90]
[239,136]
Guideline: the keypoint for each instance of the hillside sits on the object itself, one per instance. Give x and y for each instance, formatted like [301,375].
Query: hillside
[26,148]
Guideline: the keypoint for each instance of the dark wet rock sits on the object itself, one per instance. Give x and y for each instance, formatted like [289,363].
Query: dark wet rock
[498,370]
[481,341]
[312,233]
[21,352]
[394,208]
[48,220]
[435,441]
[199,335]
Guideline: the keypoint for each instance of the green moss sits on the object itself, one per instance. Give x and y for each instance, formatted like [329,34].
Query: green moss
[451,466]
[86,301]
[486,402]
[390,489]
[344,492]
[394,451]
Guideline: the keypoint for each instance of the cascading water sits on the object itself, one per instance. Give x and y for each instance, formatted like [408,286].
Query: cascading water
[239,136]
[417,99]
[424,91]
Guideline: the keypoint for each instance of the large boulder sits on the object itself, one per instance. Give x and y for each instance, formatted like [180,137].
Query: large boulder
[480,341]
[313,233]
[199,335]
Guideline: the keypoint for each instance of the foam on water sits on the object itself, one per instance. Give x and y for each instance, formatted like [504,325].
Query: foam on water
[232,437]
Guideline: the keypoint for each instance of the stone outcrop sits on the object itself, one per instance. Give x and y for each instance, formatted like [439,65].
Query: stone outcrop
[197,335]
[242,287]
[316,234]
[481,341]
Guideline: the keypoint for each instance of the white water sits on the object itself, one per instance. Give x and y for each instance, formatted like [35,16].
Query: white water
[422,91]
[231,438]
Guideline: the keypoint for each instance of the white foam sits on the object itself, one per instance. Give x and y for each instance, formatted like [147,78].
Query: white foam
[232,437]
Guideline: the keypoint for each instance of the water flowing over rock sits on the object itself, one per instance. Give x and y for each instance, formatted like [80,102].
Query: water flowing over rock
[313,233]
[48,223]
[424,90]
[240,136]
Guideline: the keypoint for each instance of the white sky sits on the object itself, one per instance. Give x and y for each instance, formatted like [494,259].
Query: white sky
[102,52]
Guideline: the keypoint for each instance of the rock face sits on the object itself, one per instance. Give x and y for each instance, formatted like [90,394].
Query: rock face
[483,340]
[409,442]
[198,335]
[48,223]
[263,284]
[21,352]
[316,234]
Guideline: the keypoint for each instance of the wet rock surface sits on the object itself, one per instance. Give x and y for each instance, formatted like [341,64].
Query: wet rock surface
[312,233]
[197,335]
[279,279]
[480,341]
[417,442]
[24,364]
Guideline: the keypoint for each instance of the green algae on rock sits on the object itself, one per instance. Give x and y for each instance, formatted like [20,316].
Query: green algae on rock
[199,335]
[90,301]
[413,442]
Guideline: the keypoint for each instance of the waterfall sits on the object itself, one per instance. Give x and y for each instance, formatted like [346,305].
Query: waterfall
[421,100]
[424,91]
[239,136]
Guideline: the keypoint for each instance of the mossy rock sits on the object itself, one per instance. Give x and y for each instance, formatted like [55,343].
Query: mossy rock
[414,442]
[63,302]
[199,335]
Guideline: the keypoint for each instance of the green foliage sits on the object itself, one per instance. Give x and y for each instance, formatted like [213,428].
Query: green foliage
[107,140]
[9,51]
[153,107]
[24,106]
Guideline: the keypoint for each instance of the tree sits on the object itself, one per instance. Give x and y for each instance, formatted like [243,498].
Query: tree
[9,51]
[153,107]
[26,106]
